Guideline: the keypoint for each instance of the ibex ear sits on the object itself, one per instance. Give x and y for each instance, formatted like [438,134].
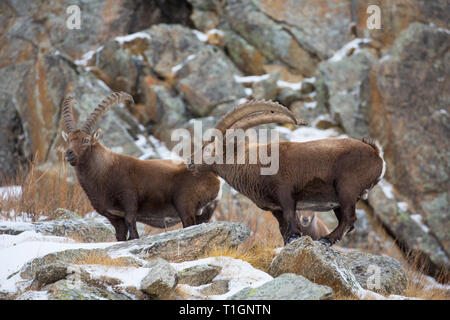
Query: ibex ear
[64,135]
[97,134]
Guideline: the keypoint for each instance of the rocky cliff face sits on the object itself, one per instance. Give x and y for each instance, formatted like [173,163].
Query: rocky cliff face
[198,58]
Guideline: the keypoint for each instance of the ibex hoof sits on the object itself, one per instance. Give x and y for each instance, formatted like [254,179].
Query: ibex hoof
[325,241]
[292,238]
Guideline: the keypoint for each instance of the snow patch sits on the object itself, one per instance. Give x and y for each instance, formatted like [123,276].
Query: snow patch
[387,188]
[130,37]
[129,276]
[354,44]
[87,56]
[419,220]
[251,79]
[17,250]
[10,192]
[291,85]
[203,37]
[239,273]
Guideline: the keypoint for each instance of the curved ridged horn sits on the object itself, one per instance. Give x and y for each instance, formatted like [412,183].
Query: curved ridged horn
[67,114]
[249,107]
[104,106]
[264,118]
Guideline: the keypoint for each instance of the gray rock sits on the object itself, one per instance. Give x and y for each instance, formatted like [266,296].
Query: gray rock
[407,231]
[410,117]
[68,290]
[269,37]
[207,80]
[160,280]
[346,273]
[48,274]
[363,236]
[217,287]
[344,86]
[320,27]
[165,109]
[198,275]
[188,243]
[267,88]
[287,96]
[287,286]
[245,56]
[383,275]
[11,140]
[170,46]
[67,225]
[318,263]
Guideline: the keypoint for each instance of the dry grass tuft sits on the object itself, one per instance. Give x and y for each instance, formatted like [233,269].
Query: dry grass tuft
[103,259]
[44,191]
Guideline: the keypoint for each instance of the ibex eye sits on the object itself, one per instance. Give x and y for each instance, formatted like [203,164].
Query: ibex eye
[86,140]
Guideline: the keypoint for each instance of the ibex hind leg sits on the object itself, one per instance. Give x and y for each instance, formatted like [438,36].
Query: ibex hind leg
[206,212]
[346,216]
[288,205]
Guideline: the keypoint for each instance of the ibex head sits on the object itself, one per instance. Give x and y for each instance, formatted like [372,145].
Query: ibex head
[80,141]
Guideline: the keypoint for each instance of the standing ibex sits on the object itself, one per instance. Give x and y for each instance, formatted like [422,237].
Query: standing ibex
[156,192]
[321,175]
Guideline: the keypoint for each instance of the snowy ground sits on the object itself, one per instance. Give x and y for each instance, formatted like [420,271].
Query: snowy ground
[17,250]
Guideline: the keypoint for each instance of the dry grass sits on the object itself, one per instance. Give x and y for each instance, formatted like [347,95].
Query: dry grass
[103,259]
[43,191]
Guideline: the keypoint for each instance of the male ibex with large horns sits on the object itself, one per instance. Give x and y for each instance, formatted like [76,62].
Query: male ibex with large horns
[156,192]
[321,175]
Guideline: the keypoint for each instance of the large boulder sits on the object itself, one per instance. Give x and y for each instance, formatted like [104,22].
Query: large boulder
[318,263]
[344,87]
[381,274]
[346,275]
[185,244]
[12,147]
[268,37]
[320,27]
[396,16]
[410,116]
[287,286]
[410,233]
[207,80]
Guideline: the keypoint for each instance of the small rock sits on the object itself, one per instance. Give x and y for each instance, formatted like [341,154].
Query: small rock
[48,274]
[217,287]
[267,88]
[161,279]
[287,286]
[198,275]
[288,95]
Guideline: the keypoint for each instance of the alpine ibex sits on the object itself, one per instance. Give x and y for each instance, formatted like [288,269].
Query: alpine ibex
[321,175]
[159,193]
[311,225]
